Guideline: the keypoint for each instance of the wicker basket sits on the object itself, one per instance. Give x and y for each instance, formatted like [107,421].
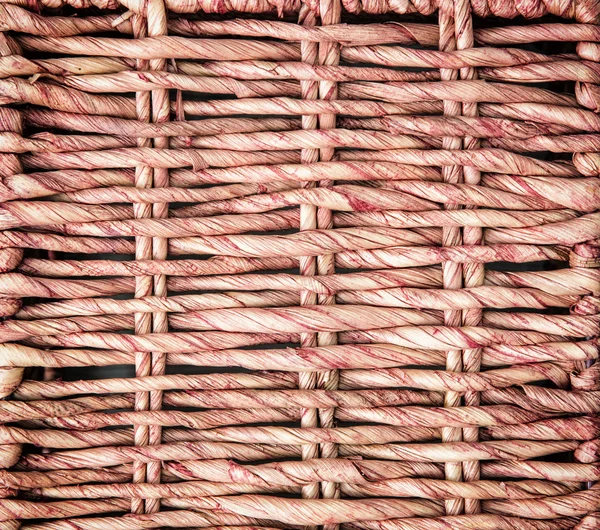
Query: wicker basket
[272,264]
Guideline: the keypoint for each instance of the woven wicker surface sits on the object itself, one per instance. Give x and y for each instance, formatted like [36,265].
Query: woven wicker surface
[299,265]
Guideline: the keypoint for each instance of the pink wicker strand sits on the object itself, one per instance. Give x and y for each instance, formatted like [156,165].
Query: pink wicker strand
[451,236]
[308,264]
[10,377]
[331,265]
[143,251]
[329,55]
[473,274]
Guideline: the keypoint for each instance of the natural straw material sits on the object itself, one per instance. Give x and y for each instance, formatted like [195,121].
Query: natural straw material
[299,265]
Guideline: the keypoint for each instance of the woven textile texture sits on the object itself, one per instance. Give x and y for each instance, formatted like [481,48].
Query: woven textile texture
[299,265]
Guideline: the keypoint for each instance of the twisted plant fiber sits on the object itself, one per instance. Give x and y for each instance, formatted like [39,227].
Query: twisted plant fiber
[301,266]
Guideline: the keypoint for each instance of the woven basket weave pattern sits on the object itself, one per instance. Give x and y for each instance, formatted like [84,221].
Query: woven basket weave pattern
[299,265]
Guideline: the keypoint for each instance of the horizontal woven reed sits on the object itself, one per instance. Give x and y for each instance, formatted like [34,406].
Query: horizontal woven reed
[284,264]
